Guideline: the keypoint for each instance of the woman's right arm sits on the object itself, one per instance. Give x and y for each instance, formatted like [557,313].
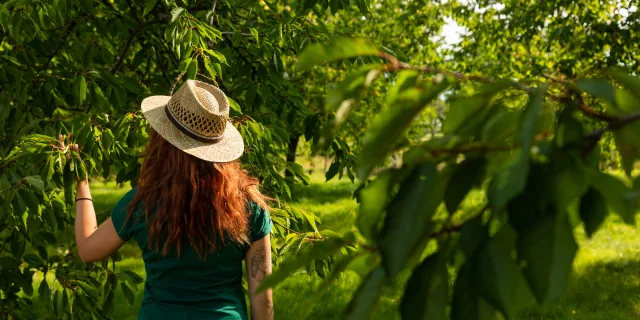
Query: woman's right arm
[258,263]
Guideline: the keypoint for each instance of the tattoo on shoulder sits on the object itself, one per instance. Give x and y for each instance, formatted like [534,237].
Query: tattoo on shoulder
[259,264]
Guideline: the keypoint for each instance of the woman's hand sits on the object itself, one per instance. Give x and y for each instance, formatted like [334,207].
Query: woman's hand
[71,151]
[93,243]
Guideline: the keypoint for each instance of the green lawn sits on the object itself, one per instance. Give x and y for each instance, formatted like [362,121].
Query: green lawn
[604,286]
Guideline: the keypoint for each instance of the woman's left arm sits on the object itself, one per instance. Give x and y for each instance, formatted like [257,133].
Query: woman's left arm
[94,243]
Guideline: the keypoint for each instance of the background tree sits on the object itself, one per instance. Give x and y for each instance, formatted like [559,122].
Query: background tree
[76,71]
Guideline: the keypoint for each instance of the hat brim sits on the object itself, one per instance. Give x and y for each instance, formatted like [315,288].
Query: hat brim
[227,149]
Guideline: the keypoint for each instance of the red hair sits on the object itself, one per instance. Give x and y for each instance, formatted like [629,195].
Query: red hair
[186,198]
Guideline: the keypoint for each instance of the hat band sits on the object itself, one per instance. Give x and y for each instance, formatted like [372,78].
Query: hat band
[188,131]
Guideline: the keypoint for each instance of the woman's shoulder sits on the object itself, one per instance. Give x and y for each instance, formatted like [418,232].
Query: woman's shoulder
[126,199]
[260,220]
[256,209]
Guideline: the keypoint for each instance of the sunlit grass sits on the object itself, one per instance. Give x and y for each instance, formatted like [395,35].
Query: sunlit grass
[605,283]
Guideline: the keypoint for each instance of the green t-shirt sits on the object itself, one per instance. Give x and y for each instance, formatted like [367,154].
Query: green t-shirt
[187,287]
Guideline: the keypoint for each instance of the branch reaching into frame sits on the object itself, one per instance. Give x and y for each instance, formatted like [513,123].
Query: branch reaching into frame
[63,38]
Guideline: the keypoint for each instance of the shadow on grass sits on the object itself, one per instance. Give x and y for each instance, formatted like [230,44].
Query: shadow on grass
[608,290]
[321,193]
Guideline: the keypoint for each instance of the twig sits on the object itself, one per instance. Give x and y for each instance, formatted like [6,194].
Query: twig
[208,78]
[614,124]
[66,34]
[123,52]
[456,228]
[127,44]
[466,149]
[591,111]
[175,83]
[213,10]
[288,229]
[395,65]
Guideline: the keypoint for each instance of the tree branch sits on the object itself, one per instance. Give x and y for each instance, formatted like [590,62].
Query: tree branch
[175,83]
[63,38]
[614,124]
[456,228]
[395,65]
[123,52]
[127,44]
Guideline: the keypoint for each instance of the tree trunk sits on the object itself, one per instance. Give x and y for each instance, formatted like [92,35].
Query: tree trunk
[291,153]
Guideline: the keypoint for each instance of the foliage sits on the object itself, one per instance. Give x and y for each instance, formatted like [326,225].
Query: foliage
[76,71]
[520,245]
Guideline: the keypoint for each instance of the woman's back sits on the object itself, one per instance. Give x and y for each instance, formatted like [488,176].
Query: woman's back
[196,214]
[186,286]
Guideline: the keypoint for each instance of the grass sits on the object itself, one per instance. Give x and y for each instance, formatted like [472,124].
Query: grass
[604,285]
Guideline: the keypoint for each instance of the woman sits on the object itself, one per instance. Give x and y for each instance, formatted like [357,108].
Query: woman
[195,214]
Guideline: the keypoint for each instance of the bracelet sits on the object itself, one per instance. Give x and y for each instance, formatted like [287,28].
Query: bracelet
[84,199]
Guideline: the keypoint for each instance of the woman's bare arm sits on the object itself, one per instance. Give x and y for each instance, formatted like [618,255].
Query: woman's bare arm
[258,262]
[94,244]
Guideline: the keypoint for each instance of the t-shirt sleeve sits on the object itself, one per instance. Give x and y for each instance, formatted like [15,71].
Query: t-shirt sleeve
[124,227]
[261,222]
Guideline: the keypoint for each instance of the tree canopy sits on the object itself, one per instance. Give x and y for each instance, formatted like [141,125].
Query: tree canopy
[522,110]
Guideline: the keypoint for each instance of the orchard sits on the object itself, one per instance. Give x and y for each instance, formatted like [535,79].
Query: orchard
[535,111]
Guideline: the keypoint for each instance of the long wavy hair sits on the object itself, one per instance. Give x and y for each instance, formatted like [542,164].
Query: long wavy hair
[187,199]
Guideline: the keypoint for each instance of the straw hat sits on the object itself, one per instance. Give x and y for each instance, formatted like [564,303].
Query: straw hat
[196,120]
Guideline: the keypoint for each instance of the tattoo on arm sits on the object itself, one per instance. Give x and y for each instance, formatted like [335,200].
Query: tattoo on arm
[259,264]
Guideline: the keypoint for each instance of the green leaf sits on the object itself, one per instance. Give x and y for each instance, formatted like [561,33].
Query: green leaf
[319,250]
[617,195]
[408,214]
[468,174]
[80,89]
[512,180]
[87,5]
[500,126]
[389,125]
[334,274]
[57,302]
[254,32]
[176,13]
[19,207]
[35,181]
[530,118]
[427,293]
[570,181]
[598,87]
[298,170]
[548,248]
[192,69]
[148,6]
[467,116]
[467,304]
[333,170]
[9,263]
[128,294]
[134,277]
[593,211]
[48,170]
[345,95]
[81,170]
[212,72]
[234,105]
[336,49]
[44,292]
[31,201]
[631,83]
[49,217]
[500,281]
[373,200]
[88,289]
[109,304]
[366,297]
